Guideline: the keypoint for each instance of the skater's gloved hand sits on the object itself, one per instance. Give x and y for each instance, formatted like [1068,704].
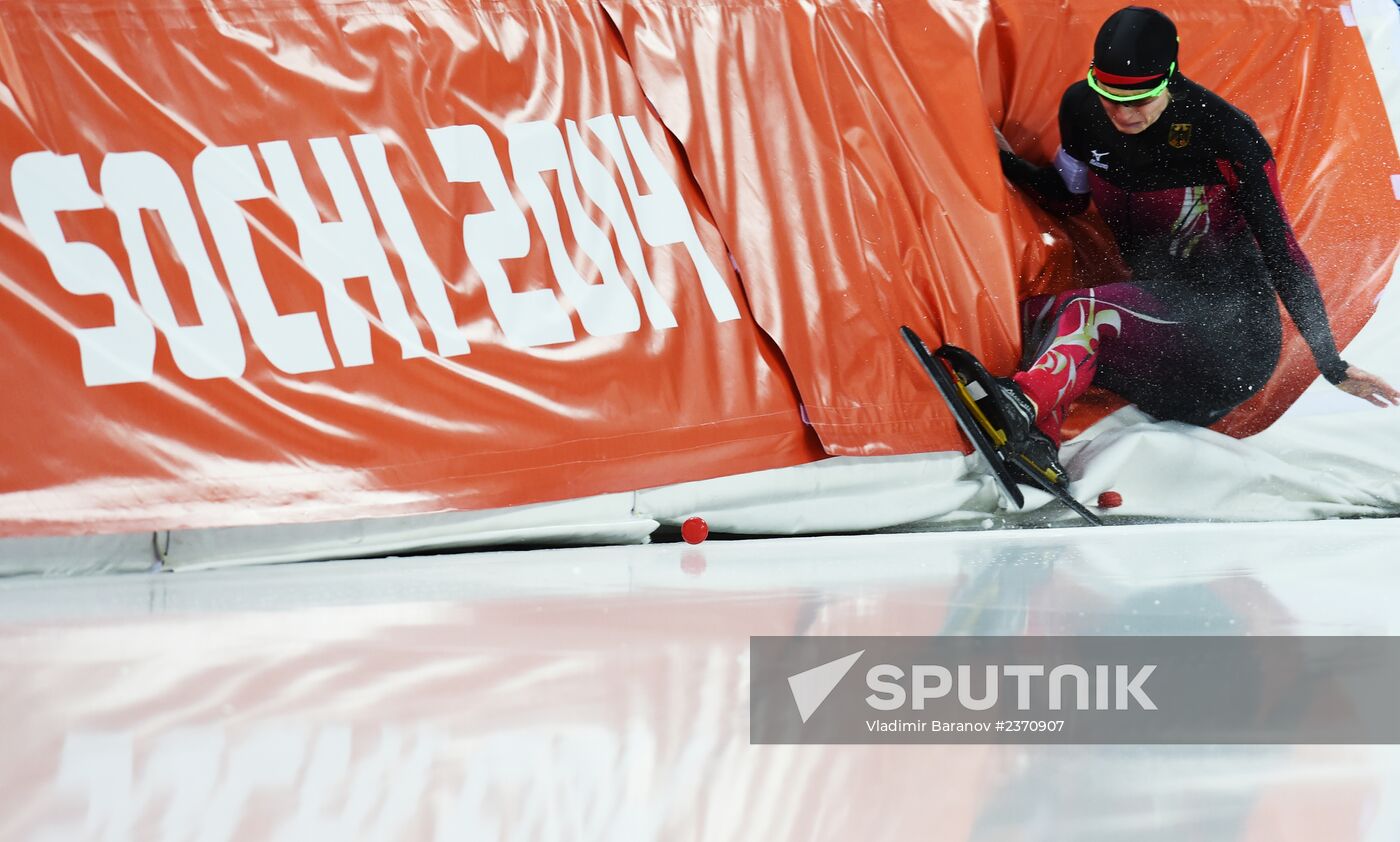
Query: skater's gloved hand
[1369,387]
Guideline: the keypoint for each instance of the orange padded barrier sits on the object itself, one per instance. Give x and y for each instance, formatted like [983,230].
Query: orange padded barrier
[267,261]
[847,153]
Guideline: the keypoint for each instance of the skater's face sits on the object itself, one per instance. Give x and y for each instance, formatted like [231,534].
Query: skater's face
[1134,117]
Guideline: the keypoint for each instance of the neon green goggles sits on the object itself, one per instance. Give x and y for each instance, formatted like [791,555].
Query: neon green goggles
[1134,97]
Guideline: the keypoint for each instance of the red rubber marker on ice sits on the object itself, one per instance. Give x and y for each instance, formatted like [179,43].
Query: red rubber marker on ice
[695,530]
[1110,500]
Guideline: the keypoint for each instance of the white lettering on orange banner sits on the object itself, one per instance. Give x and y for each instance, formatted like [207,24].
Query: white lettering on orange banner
[223,177]
[44,184]
[338,251]
[137,181]
[137,186]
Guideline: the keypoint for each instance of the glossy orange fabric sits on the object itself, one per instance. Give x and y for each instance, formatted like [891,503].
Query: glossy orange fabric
[847,151]
[843,148]
[266,261]
[287,89]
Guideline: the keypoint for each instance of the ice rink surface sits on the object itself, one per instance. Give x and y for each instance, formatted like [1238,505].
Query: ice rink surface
[603,693]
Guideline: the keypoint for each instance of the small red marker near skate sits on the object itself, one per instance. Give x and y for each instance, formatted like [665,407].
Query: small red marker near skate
[1110,500]
[695,530]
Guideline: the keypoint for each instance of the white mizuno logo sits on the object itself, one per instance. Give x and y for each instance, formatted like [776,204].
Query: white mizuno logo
[1098,159]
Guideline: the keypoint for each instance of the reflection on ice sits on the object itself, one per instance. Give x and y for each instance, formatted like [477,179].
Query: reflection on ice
[603,693]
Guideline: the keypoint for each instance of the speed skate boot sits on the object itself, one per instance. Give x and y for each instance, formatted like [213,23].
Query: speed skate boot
[1007,416]
[1027,448]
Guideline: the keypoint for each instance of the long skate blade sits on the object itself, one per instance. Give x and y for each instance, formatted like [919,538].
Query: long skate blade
[970,374]
[950,390]
[1029,469]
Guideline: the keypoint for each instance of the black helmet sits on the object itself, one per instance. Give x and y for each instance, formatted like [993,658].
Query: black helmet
[1135,50]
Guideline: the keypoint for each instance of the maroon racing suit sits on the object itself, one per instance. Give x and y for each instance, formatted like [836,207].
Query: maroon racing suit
[1193,204]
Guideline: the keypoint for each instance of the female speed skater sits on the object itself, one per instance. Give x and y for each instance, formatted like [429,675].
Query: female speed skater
[1187,185]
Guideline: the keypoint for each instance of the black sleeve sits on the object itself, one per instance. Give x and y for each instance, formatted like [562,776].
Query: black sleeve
[1288,267]
[1044,184]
